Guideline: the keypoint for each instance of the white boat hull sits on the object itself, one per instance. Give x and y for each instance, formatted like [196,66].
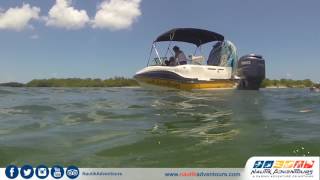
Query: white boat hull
[187,77]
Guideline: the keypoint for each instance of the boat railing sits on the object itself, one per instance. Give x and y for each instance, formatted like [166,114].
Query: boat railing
[195,60]
[160,61]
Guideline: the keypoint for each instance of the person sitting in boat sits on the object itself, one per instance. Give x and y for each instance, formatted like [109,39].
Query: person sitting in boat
[171,61]
[179,56]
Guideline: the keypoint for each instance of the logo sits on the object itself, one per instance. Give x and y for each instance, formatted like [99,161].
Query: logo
[282,164]
[258,164]
[42,172]
[72,172]
[268,164]
[57,172]
[26,171]
[283,167]
[12,171]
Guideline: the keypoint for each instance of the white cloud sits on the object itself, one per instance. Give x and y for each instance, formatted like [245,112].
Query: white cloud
[111,14]
[117,14]
[18,18]
[63,15]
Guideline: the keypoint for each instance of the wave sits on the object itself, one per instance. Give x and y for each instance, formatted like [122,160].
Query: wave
[34,108]
[6,92]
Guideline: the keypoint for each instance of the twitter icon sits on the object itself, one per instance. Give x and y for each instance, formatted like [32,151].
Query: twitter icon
[26,171]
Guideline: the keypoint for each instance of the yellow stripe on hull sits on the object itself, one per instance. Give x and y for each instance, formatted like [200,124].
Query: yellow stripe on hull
[217,84]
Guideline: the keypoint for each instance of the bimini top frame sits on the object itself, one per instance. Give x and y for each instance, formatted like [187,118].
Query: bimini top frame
[194,36]
[190,35]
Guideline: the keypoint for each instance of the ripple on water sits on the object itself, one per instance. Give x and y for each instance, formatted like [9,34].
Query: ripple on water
[76,105]
[6,92]
[136,107]
[216,115]
[33,126]
[297,148]
[210,132]
[34,108]
[207,127]
[97,117]
[76,118]
[118,116]
[142,128]
[5,131]
[105,104]
[9,111]
[103,137]
[14,154]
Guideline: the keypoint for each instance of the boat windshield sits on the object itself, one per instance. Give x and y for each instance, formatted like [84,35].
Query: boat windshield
[222,53]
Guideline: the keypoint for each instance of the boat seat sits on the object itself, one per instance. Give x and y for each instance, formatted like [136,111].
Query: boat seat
[196,59]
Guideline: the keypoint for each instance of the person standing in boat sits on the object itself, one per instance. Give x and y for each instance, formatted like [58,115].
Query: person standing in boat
[179,56]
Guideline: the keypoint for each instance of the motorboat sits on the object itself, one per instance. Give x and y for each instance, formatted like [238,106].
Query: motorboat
[315,88]
[222,69]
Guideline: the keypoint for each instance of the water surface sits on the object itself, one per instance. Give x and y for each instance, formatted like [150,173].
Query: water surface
[133,127]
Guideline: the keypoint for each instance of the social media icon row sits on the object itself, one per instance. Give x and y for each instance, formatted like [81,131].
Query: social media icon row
[41,172]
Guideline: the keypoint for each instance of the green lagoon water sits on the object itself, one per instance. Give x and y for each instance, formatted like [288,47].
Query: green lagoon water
[133,127]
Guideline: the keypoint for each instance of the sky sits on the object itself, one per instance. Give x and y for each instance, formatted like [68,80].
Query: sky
[107,38]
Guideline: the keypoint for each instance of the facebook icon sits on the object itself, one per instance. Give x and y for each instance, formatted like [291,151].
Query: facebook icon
[12,171]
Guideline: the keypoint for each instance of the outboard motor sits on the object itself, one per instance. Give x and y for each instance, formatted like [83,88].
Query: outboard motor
[251,70]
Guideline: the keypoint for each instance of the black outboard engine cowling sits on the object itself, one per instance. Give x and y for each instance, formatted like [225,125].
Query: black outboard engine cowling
[251,70]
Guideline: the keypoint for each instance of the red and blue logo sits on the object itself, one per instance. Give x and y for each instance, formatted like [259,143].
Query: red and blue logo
[287,164]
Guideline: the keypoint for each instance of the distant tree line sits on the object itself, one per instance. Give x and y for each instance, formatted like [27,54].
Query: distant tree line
[77,82]
[122,82]
[12,84]
[288,83]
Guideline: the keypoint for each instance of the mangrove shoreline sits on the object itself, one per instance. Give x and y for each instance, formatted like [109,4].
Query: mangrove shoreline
[76,82]
[129,82]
